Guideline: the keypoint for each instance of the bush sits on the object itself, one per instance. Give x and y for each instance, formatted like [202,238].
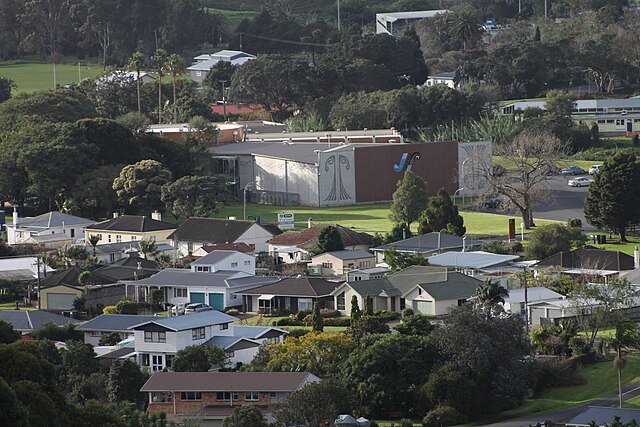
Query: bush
[574,222]
[548,373]
[297,333]
[233,312]
[110,309]
[442,416]
[405,422]
[289,321]
[387,315]
[127,307]
[339,321]
[579,345]
[302,314]
[407,312]
[329,313]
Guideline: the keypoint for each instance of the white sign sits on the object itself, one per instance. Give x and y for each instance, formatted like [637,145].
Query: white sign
[286,221]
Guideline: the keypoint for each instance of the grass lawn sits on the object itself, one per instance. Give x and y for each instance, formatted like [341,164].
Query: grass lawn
[632,403]
[12,306]
[34,76]
[268,321]
[584,164]
[234,16]
[601,380]
[368,218]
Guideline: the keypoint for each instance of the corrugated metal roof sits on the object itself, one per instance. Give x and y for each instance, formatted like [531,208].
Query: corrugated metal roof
[189,321]
[605,416]
[477,259]
[228,381]
[113,322]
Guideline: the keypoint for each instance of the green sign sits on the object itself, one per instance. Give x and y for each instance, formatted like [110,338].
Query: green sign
[255,218]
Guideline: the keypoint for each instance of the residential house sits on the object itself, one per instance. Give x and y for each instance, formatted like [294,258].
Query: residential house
[125,78]
[130,228]
[396,23]
[112,252]
[515,302]
[449,79]
[337,263]
[23,268]
[588,262]
[214,395]
[426,245]
[479,264]
[367,273]
[25,321]
[427,290]
[225,260]
[601,416]
[240,247]
[50,230]
[204,63]
[59,290]
[291,294]
[106,324]
[542,313]
[195,233]
[295,246]
[179,286]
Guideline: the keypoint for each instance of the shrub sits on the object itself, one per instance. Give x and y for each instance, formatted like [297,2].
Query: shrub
[547,373]
[442,416]
[302,314]
[387,315]
[110,309]
[405,422]
[574,222]
[329,313]
[297,333]
[579,345]
[289,321]
[127,307]
[407,312]
[233,312]
[339,321]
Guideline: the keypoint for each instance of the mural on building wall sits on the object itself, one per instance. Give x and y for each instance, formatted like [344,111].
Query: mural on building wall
[470,175]
[406,161]
[338,192]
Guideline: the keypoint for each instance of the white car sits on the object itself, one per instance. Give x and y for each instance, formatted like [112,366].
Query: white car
[580,182]
[593,169]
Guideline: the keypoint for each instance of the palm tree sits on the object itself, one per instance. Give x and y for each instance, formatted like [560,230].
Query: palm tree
[135,64]
[147,247]
[176,67]
[464,24]
[159,60]
[626,337]
[489,295]
[93,241]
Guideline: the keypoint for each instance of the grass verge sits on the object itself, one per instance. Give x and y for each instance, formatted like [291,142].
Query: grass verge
[12,306]
[35,76]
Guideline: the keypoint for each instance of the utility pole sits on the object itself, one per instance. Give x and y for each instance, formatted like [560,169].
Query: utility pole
[526,302]
[38,275]
[338,15]
[545,8]
[224,100]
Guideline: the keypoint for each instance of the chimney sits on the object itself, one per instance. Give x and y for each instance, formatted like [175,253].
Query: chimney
[15,217]
[636,258]
[115,214]
[309,223]
[156,216]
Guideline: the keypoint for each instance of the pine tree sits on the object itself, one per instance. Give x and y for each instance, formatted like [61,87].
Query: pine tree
[368,306]
[441,215]
[614,201]
[355,309]
[329,240]
[317,324]
[409,199]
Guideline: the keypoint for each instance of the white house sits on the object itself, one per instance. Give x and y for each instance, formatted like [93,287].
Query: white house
[395,23]
[515,302]
[449,79]
[204,63]
[106,324]
[24,268]
[225,260]
[52,229]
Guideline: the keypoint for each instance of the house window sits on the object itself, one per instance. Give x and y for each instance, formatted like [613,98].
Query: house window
[180,292]
[118,238]
[273,396]
[234,264]
[247,263]
[224,326]
[419,290]
[305,304]
[161,397]
[197,334]
[155,336]
[619,122]
[223,395]
[112,257]
[236,396]
[190,247]
[272,340]
[145,360]
[109,238]
[198,73]
[403,304]
[191,395]
[327,265]
[203,269]
[252,395]
[96,333]
[340,301]
[152,238]
[157,362]
[72,232]
[134,238]
[229,354]
[252,246]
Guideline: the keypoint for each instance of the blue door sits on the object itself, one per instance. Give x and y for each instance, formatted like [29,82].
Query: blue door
[216,301]
[629,126]
[196,297]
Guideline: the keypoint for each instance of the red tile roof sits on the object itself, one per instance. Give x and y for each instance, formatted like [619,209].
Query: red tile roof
[308,238]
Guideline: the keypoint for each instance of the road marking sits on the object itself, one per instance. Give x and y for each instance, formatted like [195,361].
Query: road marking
[631,391]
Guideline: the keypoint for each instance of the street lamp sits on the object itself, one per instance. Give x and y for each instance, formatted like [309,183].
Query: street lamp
[454,194]
[244,198]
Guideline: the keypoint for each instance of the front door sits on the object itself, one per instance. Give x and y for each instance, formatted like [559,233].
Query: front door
[157,362]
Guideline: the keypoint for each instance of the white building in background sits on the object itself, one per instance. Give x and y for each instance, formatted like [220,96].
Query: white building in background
[395,23]
[52,229]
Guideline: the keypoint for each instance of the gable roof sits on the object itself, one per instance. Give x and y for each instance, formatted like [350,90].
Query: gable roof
[132,223]
[255,332]
[296,287]
[588,257]
[426,243]
[347,255]
[26,320]
[604,415]
[113,322]
[239,247]
[123,269]
[215,257]
[534,294]
[184,277]
[477,259]
[51,219]
[226,342]
[189,321]
[456,286]
[228,381]
[308,238]
[213,230]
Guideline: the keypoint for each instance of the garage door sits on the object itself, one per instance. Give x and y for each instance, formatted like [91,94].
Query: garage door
[423,307]
[196,297]
[60,301]
[216,301]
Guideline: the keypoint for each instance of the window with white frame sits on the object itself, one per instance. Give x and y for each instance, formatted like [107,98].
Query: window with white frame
[180,292]
[118,238]
[251,395]
[229,354]
[224,326]
[197,334]
[247,263]
[340,301]
[234,264]
[161,397]
[223,395]
[134,238]
[191,395]
[160,337]
[305,304]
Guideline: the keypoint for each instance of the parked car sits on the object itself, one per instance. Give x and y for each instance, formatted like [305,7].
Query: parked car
[573,170]
[196,307]
[178,309]
[594,169]
[550,170]
[580,182]
[493,203]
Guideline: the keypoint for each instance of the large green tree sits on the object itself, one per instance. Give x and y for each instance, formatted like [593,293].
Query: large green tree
[124,382]
[464,24]
[489,295]
[246,415]
[140,184]
[329,240]
[441,215]
[550,239]
[192,196]
[613,201]
[198,358]
[409,199]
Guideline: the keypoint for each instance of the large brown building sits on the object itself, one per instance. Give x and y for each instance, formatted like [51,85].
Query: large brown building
[334,174]
[211,396]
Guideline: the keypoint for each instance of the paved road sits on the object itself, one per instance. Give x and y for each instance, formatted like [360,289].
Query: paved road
[628,392]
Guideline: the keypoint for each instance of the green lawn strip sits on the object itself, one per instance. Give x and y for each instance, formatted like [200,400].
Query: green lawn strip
[584,164]
[34,76]
[632,403]
[234,16]
[602,333]
[601,381]
[12,306]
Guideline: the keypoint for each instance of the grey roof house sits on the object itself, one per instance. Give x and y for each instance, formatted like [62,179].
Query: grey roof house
[25,321]
[52,229]
[426,244]
[203,63]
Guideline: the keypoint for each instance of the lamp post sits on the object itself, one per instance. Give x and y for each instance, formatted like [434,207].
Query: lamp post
[462,176]
[224,100]
[244,199]
[454,194]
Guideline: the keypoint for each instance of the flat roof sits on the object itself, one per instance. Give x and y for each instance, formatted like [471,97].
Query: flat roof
[324,135]
[418,14]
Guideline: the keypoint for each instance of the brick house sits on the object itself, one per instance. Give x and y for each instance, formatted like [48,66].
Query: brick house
[213,395]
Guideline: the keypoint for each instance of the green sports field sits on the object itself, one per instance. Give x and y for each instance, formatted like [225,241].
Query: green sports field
[34,76]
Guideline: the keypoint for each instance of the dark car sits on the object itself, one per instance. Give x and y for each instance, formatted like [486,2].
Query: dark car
[573,170]
[493,203]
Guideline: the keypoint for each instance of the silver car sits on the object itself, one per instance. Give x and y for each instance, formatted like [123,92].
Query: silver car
[196,307]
